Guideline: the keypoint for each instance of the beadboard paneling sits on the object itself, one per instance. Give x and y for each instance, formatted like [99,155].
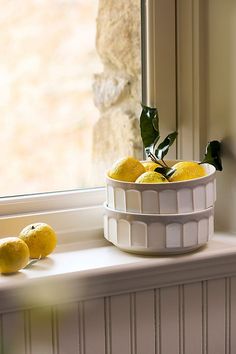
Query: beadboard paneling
[67,328]
[193,318]
[197,318]
[232,315]
[169,320]
[94,327]
[120,324]
[216,316]
[145,322]
[41,331]
[12,334]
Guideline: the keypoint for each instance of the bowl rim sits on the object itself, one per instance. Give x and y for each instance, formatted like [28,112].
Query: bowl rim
[171,185]
[205,213]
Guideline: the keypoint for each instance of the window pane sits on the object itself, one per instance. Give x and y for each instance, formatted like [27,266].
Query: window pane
[47,62]
[51,81]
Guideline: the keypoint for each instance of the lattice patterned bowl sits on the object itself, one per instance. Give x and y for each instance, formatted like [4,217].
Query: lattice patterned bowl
[163,198]
[154,234]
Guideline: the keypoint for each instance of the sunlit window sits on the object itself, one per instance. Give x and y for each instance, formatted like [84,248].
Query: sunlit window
[47,62]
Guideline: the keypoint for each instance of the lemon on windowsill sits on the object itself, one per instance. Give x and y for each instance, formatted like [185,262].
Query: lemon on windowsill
[14,255]
[40,238]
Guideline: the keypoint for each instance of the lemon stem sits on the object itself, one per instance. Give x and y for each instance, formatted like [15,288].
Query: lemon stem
[164,163]
[154,159]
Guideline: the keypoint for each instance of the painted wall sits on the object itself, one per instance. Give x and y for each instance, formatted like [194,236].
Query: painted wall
[220,90]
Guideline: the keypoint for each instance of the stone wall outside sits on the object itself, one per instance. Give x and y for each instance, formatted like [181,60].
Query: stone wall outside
[117,90]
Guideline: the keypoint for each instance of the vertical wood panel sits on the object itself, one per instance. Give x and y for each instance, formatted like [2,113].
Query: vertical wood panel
[232,314]
[227,315]
[159,62]
[165,67]
[1,336]
[107,308]
[94,326]
[145,322]
[181,319]
[120,325]
[41,331]
[204,317]
[68,328]
[216,316]
[81,328]
[157,314]
[13,333]
[191,77]
[193,318]
[169,322]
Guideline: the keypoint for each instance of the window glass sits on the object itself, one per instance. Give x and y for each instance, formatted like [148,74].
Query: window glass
[47,62]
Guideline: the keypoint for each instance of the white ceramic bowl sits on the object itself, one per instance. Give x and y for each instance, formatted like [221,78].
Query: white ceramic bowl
[163,198]
[158,234]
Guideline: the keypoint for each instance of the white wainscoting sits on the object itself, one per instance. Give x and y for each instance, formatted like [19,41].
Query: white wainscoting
[194,318]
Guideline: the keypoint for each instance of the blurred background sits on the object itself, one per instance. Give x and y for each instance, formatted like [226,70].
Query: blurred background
[47,62]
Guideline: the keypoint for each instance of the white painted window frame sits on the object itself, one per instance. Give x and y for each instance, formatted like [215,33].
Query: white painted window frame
[161,73]
[159,88]
[173,72]
[77,213]
[190,24]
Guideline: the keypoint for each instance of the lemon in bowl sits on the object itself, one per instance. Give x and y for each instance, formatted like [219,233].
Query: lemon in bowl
[14,254]
[126,169]
[150,165]
[40,238]
[151,177]
[186,170]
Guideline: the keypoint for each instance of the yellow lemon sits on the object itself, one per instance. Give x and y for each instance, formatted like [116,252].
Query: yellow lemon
[14,254]
[151,177]
[150,165]
[40,238]
[187,170]
[126,169]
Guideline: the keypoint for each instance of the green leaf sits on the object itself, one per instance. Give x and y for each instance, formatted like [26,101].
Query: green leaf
[149,125]
[165,171]
[164,146]
[212,155]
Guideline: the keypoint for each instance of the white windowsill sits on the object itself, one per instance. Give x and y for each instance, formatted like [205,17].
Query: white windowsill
[85,270]
[85,265]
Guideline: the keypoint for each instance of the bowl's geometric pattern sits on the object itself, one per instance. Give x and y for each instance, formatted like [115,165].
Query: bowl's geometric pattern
[158,234]
[158,201]
[160,218]
[163,198]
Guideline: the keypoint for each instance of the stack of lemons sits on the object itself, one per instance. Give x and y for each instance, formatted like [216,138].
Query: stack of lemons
[34,241]
[129,169]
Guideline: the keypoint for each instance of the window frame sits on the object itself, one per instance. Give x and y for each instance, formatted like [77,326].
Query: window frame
[75,215]
[191,50]
[178,68]
[51,201]
[159,64]
[157,59]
